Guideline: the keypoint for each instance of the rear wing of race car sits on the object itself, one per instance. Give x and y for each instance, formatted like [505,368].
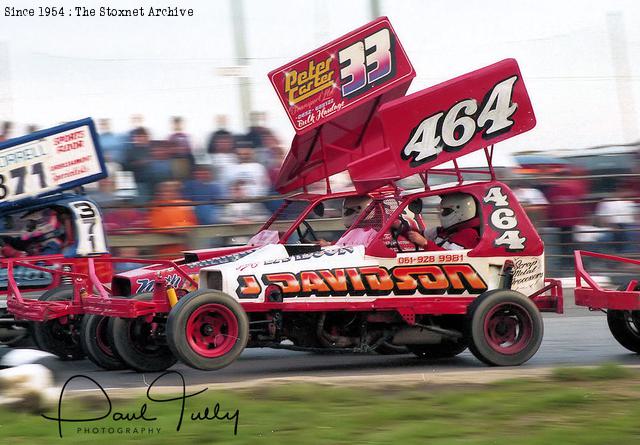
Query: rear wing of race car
[347,103]
[49,161]
[330,96]
[416,133]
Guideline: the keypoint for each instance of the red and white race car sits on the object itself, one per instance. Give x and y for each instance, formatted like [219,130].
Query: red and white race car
[43,221]
[472,277]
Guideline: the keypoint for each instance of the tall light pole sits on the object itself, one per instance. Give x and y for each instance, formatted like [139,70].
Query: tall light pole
[623,73]
[374,7]
[244,82]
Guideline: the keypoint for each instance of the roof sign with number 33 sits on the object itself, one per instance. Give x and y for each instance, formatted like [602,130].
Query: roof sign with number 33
[49,161]
[326,83]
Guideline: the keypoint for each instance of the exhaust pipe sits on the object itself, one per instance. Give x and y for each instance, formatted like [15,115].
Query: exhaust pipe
[415,335]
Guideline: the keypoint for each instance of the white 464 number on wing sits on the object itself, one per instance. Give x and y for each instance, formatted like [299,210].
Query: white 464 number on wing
[503,220]
[453,129]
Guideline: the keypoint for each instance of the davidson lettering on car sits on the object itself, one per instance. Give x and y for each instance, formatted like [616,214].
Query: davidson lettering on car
[248,286]
[438,279]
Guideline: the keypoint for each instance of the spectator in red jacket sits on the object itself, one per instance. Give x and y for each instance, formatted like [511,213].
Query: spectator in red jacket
[566,210]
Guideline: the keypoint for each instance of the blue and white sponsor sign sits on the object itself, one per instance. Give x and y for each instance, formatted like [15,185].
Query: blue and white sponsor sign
[49,161]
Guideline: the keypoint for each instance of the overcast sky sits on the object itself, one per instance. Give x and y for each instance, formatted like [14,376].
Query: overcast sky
[63,68]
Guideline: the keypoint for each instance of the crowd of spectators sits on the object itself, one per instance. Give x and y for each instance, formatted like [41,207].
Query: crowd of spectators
[171,171]
[571,213]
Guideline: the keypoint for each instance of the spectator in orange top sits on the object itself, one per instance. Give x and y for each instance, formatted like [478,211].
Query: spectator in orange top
[170,217]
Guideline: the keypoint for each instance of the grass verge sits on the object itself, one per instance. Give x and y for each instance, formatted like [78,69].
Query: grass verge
[573,406]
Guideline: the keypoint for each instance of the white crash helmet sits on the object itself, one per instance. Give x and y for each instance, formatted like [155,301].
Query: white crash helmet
[352,207]
[456,208]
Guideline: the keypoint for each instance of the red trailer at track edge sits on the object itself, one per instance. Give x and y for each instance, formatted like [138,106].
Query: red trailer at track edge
[622,305]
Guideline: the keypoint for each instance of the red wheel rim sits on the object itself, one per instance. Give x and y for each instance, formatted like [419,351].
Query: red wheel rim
[212,330]
[508,328]
[101,337]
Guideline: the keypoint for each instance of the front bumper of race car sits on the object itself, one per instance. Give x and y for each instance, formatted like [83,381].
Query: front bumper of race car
[550,298]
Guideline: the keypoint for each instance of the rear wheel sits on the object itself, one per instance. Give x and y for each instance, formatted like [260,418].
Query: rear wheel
[505,328]
[60,336]
[625,327]
[207,329]
[446,349]
[141,342]
[94,339]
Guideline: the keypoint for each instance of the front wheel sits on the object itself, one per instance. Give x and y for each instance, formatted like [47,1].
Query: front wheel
[141,342]
[625,327]
[505,328]
[207,329]
[60,336]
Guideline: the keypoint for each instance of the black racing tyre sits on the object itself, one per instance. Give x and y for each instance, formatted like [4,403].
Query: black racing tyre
[60,336]
[446,349]
[387,348]
[94,340]
[141,342]
[625,327]
[505,328]
[207,329]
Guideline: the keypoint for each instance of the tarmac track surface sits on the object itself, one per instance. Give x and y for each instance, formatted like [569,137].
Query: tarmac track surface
[578,338]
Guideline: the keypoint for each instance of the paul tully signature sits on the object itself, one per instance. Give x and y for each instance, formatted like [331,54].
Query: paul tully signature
[144,412]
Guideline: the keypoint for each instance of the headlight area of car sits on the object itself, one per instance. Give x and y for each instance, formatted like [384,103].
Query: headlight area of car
[211,279]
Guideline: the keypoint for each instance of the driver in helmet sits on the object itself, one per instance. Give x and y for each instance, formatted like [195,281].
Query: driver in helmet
[459,226]
[44,235]
[352,207]
[6,249]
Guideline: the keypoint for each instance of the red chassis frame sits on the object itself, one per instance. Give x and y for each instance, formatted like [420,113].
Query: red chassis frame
[84,302]
[61,262]
[102,302]
[594,296]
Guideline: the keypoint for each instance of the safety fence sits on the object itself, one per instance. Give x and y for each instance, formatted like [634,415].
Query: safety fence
[558,251]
